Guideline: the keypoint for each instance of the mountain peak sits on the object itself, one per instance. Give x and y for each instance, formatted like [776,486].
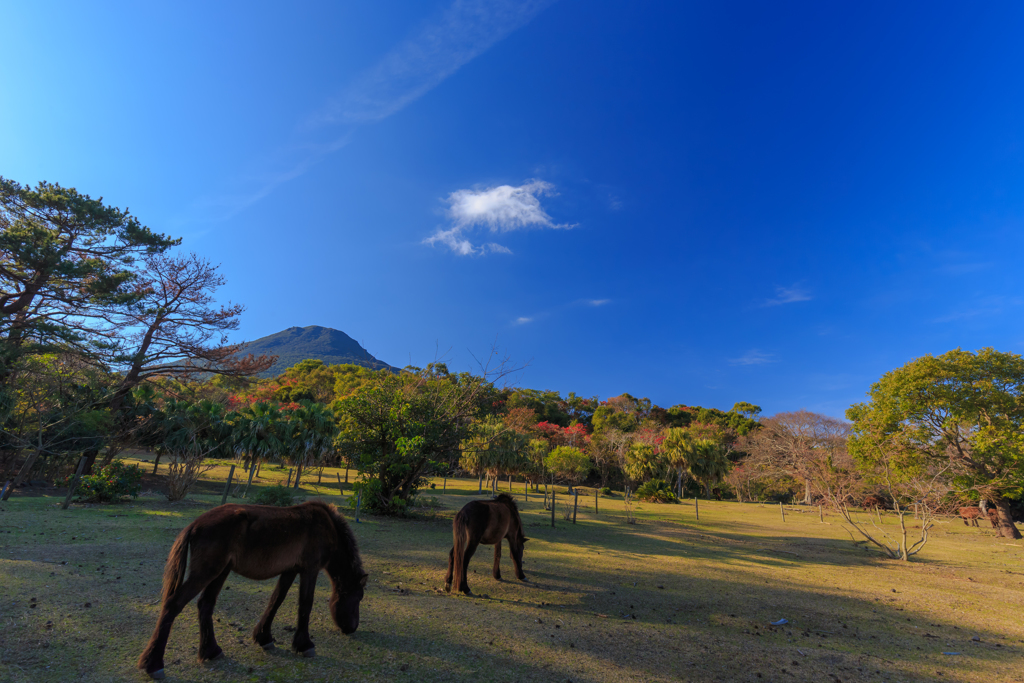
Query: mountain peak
[296,344]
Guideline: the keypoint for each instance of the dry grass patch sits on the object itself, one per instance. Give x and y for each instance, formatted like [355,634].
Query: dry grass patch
[667,599]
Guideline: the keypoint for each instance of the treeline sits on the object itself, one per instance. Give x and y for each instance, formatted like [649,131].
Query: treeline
[111,340]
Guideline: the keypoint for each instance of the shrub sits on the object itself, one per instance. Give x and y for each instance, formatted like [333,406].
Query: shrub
[281,496]
[375,501]
[425,502]
[657,491]
[113,483]
[606,491]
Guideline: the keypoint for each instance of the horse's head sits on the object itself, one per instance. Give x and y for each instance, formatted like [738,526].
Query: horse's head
[348,592]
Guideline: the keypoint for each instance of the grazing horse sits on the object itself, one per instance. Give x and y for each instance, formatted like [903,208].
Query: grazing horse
[974,513]
[259,542]
[487,522]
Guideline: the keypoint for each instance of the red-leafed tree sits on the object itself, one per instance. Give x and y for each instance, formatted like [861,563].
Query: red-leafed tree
[174,329]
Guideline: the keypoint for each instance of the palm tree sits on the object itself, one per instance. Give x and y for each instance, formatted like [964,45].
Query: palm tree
[679,449]
[709,464]
[259,435]
[311,435]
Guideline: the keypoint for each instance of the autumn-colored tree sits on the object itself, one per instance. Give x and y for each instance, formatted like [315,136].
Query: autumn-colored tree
[172,329]
[807,446]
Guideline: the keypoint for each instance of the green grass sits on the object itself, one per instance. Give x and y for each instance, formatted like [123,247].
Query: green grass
[667,599]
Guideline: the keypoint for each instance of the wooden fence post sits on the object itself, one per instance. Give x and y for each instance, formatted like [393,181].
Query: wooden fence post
[575,503]
[821,516]
[783,510]
[696,508]
[526,491]
[595,500]
[74,481]
[552,507]
[341,489]
[227,486]
[444,486]
[359,501]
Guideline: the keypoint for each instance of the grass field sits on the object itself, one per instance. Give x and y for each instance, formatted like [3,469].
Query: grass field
[666,599]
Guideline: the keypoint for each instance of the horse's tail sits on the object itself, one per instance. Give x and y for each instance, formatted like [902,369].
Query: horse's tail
[460,541]
[174,571]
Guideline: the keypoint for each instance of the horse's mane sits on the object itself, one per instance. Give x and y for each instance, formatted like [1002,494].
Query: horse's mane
[346,538]
[507,500]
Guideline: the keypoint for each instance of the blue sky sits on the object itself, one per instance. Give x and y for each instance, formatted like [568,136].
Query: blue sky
[701,203]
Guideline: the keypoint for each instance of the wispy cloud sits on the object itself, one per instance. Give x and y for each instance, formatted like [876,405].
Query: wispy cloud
[985,307]
[497,209]
[598,302]
[753,357]
[788,295]
[523,321]
[963,268]
[462,32]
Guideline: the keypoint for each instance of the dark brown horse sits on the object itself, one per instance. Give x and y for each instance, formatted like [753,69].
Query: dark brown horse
[259,542]
[487,522]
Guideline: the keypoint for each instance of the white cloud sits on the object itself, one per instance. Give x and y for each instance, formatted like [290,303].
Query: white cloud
[753,357]
[418,65]
[498,209]
[598,302]
[523,321]
[788,295]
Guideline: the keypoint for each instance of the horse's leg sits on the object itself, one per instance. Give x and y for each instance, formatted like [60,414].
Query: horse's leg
[208,648]
[496,570]
[152,658]
[261,634]
[470,549]
[515,549]
[451,569]
[302,643]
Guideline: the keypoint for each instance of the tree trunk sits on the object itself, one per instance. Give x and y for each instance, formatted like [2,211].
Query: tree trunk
[807,492]
[252,472]
[109,456]
[298,475]
[90,460]
[156,462]
[1007,529]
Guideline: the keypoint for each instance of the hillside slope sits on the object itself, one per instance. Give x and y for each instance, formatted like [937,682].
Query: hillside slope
[296,344]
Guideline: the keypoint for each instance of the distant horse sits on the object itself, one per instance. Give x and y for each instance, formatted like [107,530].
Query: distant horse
[874,501]
[487,522]
[970,515]
[259,542]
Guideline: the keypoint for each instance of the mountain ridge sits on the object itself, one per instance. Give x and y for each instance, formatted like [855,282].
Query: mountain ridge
[295,344]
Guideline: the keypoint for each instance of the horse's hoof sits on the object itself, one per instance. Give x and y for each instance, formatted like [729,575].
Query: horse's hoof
[268,647]
[158,675]
[212,658]
[309,654]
